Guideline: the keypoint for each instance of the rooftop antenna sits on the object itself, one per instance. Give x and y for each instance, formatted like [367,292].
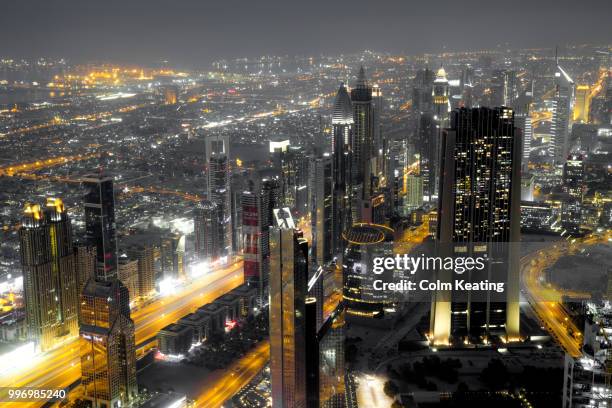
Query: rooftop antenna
[556,55]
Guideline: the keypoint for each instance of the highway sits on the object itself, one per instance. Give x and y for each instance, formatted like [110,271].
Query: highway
[545,299]
[61,367]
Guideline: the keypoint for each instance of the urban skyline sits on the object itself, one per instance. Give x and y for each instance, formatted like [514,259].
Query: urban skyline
[208,237]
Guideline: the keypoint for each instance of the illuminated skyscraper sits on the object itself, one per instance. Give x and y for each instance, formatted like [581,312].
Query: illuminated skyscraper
[562,107]
[441,93]
[172,255]
[206,227]
[257,206]
[427,134]
[49,274]
[479,215]
[573,185]
[143,252]
[107,343]
[342,128]
[323,234]
[292,166]
[219,192]
[99,202]
[583,104]
[288,292]
[363,138]
[108,351]
[85,262]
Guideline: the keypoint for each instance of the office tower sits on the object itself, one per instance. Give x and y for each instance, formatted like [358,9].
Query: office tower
[379,143]
[364,242]
[144,254]
[467,87]
[288,292]
[414,192]
[207,228]
[257,209]
[573,176]
[49,274]
[573,185]
[331,337]
[562,106]
[583,104]
[321,214]
[427,135]
[85,263]
[291,164]
[99,202]
[342,127]
[422,91]
[312,351]
[441,101]
[108,359]
[522,121]
[496,97]
[479,216]
[128,275]
[219,194]
[108,350]
[363,122]
[172,255]
[504,88]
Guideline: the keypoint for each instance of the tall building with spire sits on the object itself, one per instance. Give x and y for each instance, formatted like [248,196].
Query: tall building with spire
[342,128]
[363,136]
[49,274]
[479,216]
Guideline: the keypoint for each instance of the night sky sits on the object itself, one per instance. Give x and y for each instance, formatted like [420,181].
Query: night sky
[194,32]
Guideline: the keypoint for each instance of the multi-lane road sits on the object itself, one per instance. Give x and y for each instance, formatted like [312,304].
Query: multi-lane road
[61,367]
[546,299]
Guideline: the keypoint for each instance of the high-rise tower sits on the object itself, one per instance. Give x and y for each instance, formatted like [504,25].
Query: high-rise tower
[288,292]
[107,342]
[363,137]
[49,274]
[479,216]
[322,217]
[562,108]
[342,124]
[99,202]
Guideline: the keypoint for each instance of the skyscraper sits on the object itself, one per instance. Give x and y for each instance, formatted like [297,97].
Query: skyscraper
[323,233]
[342,128]
[99,202]
[479,215]
[217,152]
[562,107]
[49,274]
[363,137]
[583,104]
[427,135]
[107,342]
[441,93]
[206,228]
[108,350]
[288,292]
[422,91]
[257,209]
